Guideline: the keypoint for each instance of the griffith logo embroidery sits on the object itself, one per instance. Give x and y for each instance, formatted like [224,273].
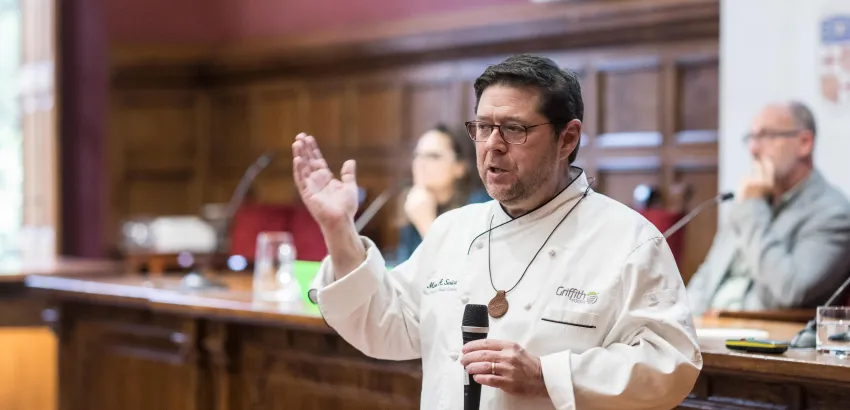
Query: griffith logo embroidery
[441,285]
[577,295]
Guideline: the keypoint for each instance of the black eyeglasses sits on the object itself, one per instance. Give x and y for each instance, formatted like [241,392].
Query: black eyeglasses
[512,133]
[769,135]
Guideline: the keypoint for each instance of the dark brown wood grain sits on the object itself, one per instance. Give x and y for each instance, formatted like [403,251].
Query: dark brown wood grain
[125,344]
[185,125]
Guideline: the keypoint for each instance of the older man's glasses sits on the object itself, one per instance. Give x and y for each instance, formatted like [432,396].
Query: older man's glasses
[480,131]
[769,135]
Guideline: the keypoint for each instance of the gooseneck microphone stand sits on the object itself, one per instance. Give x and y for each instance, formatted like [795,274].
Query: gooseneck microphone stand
[197,279]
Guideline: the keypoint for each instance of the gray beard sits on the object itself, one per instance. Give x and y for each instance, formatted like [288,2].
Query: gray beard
[526,187]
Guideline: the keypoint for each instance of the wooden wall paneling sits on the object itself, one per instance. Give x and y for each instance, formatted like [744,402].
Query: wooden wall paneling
[278,116]
[232,147]
[429,104]
[694,147]
[618,177]
[642,102]
[699,234]
[157,133]
[128,360]
[327,119]
[282,368]
[201,164]
[377,122]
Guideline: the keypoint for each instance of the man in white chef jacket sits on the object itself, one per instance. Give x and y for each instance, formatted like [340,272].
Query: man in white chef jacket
[597,316]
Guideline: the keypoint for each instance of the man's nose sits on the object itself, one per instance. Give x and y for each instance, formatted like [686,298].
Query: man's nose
[755,147]
[495,142]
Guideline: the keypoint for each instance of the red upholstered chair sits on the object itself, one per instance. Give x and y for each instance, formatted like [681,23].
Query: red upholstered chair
[309,241]
[663,220]
[252,218]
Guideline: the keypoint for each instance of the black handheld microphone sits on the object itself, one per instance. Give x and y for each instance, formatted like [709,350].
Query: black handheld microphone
[475,326]
[725,196]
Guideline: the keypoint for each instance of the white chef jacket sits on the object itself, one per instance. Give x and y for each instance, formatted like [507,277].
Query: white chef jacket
[619,333]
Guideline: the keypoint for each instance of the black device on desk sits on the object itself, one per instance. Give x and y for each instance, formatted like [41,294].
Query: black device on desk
[751,345]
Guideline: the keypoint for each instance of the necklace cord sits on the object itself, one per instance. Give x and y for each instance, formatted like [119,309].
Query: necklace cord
[490,272]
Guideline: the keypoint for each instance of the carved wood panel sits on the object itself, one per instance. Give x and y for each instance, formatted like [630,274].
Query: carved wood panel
[156,140]
[127,360]
[650,118]
[282,368]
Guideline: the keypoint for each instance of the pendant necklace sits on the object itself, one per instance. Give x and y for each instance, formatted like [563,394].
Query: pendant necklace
[498,306]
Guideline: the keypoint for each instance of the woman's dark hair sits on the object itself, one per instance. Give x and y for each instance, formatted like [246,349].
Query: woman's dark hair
[464,149]
[560,89]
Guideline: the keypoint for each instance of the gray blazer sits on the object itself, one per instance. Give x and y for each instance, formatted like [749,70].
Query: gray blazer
[796,253]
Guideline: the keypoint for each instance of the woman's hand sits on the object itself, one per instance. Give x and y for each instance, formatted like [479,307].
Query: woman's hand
[420,206]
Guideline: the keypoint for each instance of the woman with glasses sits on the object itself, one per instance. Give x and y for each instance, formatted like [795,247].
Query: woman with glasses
[444,178]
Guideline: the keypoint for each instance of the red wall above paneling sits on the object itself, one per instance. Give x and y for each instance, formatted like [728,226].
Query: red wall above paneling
[264,19]
[164,22]
[207,22]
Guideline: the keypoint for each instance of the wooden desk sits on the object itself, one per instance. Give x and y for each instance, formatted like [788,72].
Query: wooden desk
[19,308]
[27,348]
[132,344]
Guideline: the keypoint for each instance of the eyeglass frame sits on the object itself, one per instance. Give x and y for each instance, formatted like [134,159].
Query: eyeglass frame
[501,132]
[771,135]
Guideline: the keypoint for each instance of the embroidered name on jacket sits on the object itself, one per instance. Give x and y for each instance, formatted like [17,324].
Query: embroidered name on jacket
[440,285]
[577,295]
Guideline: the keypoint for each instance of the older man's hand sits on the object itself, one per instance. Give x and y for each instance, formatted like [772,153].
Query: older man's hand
[760,184]
[504,365]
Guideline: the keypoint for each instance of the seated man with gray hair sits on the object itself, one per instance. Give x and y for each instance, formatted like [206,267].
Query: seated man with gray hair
[787,240]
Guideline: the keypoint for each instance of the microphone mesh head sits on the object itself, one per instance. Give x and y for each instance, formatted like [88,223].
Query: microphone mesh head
[475,315]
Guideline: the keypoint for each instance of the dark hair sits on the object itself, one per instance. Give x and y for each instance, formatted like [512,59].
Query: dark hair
[464,149]
[560,90]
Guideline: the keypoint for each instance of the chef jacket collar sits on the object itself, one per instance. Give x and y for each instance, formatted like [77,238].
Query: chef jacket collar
[573,191]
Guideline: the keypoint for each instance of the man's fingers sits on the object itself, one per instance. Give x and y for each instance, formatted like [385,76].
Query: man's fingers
[485,344]
[496,381]
[497,367]
[348,172]
[481,356]
[299,166]
[312,148]
[768,170]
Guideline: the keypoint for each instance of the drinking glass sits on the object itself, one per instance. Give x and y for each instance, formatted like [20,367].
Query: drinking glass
[273,264]
[833,336]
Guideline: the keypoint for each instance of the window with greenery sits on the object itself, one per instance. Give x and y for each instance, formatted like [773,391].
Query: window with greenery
[11,142]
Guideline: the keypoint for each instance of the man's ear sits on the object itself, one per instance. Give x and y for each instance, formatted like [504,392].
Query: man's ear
[807,144]
[569,139]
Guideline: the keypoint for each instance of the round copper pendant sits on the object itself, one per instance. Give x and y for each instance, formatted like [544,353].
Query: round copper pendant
[498,306]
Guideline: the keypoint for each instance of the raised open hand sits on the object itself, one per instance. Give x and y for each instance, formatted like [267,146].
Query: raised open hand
[331,201]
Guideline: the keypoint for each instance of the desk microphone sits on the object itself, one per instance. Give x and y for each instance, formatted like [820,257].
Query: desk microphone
[806,338]
[724,196]
[375,206]
[197,280]
[475,326]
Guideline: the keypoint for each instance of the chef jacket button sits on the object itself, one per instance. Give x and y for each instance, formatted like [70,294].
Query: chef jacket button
[528,306]
[453,356]
[551,252]
[464,300]
[479,245]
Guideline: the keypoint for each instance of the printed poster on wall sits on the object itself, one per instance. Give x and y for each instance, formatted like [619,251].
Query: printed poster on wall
[835,57]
